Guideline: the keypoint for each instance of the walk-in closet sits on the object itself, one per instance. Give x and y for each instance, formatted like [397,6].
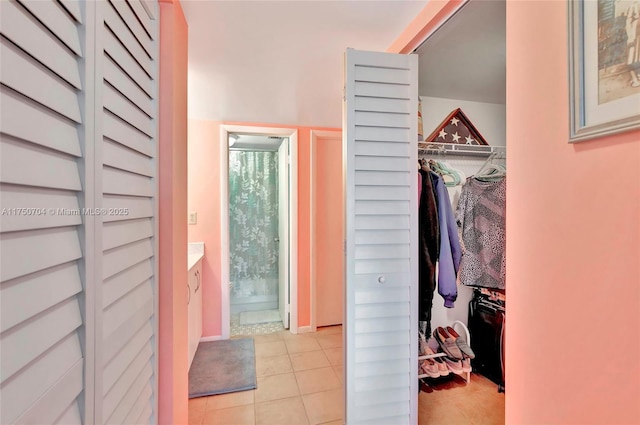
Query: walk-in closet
[425,249]
[462,147]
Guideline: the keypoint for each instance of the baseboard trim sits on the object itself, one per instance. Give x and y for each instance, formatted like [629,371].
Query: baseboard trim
[304,329]
[211,338]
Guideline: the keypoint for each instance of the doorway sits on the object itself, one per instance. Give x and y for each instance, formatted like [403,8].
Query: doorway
[258,228]
[259,205]
[327,229]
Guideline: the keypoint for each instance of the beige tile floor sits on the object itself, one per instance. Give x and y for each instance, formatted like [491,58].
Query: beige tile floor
[300,382]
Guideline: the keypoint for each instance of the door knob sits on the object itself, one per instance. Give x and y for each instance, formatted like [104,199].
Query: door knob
[276,239]
[382,279]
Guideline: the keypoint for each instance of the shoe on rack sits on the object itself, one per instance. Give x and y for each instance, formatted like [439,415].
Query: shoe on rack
[447,344]
[443,370]
[466,364]
[454,366]
[429,367]
[461,343]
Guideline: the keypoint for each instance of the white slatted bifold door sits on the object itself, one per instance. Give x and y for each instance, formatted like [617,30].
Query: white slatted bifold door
[41,149]
[126,183]
[78,193]
[381,332]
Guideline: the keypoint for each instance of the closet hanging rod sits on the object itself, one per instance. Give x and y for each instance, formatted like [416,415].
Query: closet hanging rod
[455,149]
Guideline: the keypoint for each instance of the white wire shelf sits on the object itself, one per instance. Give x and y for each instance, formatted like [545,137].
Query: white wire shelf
[455,149]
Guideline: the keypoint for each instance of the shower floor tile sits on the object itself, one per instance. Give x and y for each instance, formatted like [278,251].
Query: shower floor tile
[256,329]
[259,317]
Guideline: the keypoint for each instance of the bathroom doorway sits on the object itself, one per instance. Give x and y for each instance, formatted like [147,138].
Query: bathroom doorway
[258,233]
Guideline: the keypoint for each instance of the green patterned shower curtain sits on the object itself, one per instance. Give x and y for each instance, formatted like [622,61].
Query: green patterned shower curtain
[253,222]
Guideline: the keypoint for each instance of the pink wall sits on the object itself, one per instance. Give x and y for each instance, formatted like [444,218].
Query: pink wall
[204,198]
[172,357]
[573,237]
[429,19]
[204,195]
[573,243]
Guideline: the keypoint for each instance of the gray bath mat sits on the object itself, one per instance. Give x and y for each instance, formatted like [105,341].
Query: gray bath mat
[221,367]
[257,317]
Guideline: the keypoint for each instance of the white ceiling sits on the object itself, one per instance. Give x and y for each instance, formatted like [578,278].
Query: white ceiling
[466,58]
[281,61]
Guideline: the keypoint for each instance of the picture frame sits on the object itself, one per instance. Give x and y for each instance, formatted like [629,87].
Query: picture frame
[604,67]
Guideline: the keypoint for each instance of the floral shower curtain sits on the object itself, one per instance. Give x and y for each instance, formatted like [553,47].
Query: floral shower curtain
[253,223]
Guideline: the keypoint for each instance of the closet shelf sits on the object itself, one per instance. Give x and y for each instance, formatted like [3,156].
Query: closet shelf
[463,150]
[461,328]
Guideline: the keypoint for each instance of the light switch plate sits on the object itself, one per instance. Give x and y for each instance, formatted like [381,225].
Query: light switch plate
[193,217]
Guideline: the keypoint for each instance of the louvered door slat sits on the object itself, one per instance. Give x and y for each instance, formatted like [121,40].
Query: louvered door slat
[126,86]
[18,346]
[120,106]
[46,248]
[150,8]
[119,182]
[122,335]
[73,8]
[35,166]
[123,359]
[138,388]
[55,402]
[121,56]
[382,149]
[119,156]
[27,387]
[381,249]
[52,130]
[144,18]
[50,207]
[29,35]
[27,76]
[40,284]
[378,104]
[18,302]
[121,132]
[77,134]
[54,17]
[125,232]
[127,190]
[120,284]
[71,416]
[137,207]
[134,25]
[138,409]
[124,35]
[138,372]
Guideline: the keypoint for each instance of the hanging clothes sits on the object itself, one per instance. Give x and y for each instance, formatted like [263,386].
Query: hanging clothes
[481,216]
[428,249]
[450,251]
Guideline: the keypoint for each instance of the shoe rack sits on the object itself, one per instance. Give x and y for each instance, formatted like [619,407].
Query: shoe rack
[461,328]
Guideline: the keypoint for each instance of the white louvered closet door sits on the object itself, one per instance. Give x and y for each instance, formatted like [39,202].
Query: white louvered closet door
[78,135]
[43,131]
[126,188]
[380,141]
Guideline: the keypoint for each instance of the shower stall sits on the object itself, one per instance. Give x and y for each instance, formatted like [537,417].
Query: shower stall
[253,230]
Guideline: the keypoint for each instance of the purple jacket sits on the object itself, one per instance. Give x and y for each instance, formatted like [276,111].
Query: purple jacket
[450,251]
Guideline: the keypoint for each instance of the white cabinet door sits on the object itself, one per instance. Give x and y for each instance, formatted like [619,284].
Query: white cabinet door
[194,309]
[381,195]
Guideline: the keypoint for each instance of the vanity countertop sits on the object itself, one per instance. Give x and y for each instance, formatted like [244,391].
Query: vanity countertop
[194,254]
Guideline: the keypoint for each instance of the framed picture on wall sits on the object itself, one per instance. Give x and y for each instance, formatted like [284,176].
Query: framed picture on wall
[604,67]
